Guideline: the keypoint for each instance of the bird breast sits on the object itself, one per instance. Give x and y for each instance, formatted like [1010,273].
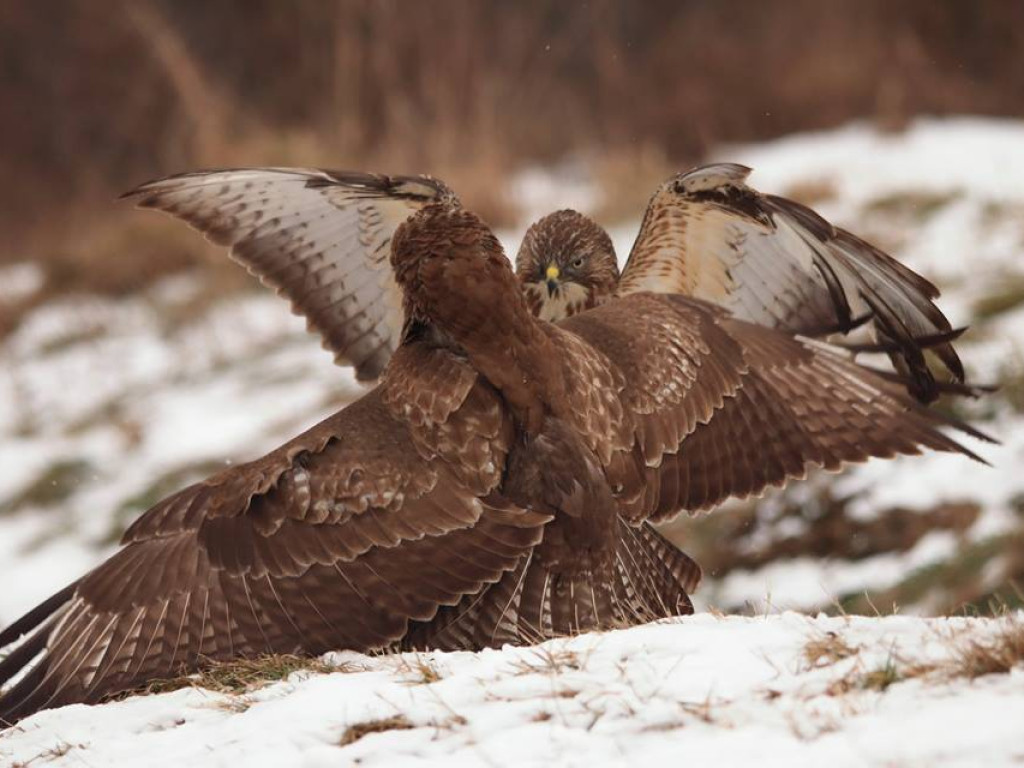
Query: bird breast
[566,300]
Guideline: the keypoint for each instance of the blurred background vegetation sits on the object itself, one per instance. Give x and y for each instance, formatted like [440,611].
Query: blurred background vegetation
[100,96]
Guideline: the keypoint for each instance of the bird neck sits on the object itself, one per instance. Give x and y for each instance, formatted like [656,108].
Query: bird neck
[512,351]
[524,365]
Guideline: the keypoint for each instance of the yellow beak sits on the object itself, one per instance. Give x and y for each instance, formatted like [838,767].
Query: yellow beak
[552,272]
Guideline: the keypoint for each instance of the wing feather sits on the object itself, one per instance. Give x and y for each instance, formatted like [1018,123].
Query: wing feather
[774,262]
[747,408]
[320,238]
[338,539]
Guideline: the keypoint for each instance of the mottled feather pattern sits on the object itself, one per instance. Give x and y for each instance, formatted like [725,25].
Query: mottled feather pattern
[677,377]
[797,407]
[777,263]
[321,238]
[474,439]
[594,405]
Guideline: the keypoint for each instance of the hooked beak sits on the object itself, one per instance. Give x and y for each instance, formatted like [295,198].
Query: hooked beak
[552,277]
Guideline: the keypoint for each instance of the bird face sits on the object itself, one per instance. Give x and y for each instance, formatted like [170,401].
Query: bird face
[566,264]
[562,272]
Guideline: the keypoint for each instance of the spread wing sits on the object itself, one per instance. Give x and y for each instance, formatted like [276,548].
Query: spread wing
[320,238]
[740,408]
[777,263]
[336,540]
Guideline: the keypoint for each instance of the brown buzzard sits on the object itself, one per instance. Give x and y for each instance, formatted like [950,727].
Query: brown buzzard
[321,239]
[488,489]
[766,259]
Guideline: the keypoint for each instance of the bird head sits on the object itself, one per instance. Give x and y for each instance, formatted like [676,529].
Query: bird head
[454,274]
[566,264]
[459,292]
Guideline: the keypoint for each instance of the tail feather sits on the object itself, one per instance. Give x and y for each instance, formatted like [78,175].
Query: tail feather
[657,575]
[22,655]
[650,579]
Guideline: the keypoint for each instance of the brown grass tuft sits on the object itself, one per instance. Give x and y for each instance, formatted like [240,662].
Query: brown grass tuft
[355,732]
[970,657]
[827,649]
[888,673]
[244,675]
[997,655]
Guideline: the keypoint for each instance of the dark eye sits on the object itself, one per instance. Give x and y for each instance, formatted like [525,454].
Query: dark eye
[577,262]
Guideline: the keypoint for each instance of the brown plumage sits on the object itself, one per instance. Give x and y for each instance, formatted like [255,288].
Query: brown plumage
[321,238]
[489,488]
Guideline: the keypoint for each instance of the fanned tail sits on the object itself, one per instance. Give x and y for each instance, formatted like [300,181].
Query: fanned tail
[650,579]
[654,577]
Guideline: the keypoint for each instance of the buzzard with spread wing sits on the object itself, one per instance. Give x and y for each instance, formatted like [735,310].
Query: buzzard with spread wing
[496,485]
[766,259]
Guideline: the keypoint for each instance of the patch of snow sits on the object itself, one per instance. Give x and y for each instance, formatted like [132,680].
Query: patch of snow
[538,191]
[804,583]
[723,691]
[105,383]
[20,281]
[982,157]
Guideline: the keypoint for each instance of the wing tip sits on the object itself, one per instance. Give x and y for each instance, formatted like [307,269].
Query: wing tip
[710,177]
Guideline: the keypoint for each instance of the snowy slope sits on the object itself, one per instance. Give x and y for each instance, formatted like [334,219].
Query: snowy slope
[782,690]
[107,406]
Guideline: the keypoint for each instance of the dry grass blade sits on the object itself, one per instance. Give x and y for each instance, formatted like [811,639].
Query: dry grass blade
[548,661]
[419,669]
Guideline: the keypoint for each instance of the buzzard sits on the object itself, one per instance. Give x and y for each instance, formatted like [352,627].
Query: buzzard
[495,485]
[321,239]
[766,259]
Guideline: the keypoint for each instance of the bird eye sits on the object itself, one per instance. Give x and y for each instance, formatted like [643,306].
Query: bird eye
[577,262]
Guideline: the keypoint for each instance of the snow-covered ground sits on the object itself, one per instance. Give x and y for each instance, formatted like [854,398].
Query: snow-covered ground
[782,690]
[107,406]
